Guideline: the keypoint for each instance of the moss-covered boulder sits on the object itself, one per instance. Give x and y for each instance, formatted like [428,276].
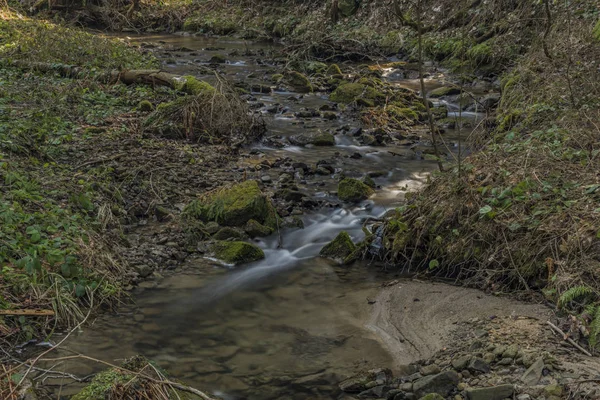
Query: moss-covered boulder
[353,190]
[367,180]
[145,106]
[334,70]
[234,206]
[339,248]
[351,92]
[255,229]
[299,82]
[237,252]
[191,85]
[444,91]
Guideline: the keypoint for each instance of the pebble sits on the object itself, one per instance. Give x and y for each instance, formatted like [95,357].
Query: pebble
[266,179]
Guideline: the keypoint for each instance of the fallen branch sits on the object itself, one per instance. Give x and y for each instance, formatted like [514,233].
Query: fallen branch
[27,312]
[153,77]
[568,339]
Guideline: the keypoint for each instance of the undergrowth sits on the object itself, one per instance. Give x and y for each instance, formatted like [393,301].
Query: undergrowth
[523,213]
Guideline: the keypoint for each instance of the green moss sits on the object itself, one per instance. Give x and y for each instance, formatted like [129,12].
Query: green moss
[234,206]
[255,229]
[323,139]
[339,248]
[299,82]
[351,92]
[191,85]
[333,69]
[402,113]
[481,53]
[277,78]
[102,384]
[444,91]
[432,396]
[315,67]
[367,180]
[145,106]
[353,190]
[596,31]
[237,252]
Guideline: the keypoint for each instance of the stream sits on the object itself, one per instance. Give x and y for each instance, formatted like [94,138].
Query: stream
[292,325]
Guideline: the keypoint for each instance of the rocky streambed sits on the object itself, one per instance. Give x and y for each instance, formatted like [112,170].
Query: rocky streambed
[230,294]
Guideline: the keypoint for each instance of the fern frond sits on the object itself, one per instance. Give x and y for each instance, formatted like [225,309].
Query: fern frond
[596,31]
[595,328]
[590,309]
[574,293]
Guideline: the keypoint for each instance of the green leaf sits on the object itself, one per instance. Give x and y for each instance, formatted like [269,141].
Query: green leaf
[80,290]
[434,264]
[484,210]
[65,270]
[16,378]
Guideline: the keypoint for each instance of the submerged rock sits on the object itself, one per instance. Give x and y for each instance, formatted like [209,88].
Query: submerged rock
[234,206]
[237,252]
[317,139]
[339,248]
[353,190]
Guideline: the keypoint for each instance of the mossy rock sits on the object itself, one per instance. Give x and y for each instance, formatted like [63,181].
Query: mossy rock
[218,59]
[145,106]
[347,8]
[351,92]
[333,70]
[323,139]
[276,78]
[444,91]
[353,190]
[228,232]
[439,112]
[237,252]
[255,229]
[234,206]
[367,180]
[339,248]
[193,86]
[315,67]
[299,82]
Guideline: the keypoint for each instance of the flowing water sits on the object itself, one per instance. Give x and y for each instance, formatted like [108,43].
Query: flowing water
[288,327]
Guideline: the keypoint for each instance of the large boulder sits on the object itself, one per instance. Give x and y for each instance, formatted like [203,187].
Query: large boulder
[442,384]
[316,139]
[234,206]
[237,252]
[339,248]
[353,190]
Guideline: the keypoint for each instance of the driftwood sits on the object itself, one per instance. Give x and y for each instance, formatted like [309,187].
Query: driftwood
[568,339]
[34,313]
[153,77]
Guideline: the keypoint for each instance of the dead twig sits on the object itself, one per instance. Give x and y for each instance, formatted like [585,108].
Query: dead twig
[568,339]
